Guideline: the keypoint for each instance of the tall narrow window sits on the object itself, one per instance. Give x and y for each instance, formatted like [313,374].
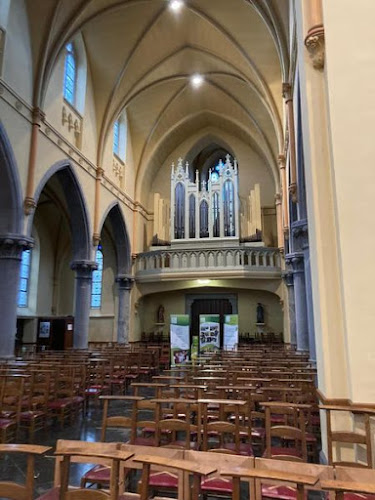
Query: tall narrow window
[70,74]
[116,138]
[229,220]
[97,281]
[23,289]
[203,220]
[192,216]
[216,215]
[179,213]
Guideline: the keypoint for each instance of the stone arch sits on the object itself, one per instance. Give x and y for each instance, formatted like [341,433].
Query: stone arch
[11,214]
[117,223]
[75,205]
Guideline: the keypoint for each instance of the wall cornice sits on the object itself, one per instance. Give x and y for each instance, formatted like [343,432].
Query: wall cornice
[24,109]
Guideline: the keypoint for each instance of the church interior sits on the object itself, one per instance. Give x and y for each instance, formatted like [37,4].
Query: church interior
[184,267]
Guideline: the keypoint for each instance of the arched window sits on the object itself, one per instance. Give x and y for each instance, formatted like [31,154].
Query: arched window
[192,216]
[116,138]
[228,199]
[203,220]
[179,213]
[216,215]
[23,289]
[70,74]
[97,281]
[120,136]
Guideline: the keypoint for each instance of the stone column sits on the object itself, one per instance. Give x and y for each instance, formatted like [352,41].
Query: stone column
[11,247]
[125,284]
[297,262]
[83,269]
[288,278]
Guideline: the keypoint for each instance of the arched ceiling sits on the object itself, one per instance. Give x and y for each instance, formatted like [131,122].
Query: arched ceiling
[142,54]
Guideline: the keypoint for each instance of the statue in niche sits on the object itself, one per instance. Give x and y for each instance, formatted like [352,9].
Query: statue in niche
[260,313]
[160,315]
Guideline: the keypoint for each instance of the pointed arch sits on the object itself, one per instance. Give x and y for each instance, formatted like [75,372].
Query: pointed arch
[117,223]
[11,213]
[75,205]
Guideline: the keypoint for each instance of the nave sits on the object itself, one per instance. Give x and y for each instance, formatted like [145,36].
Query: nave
[257,409]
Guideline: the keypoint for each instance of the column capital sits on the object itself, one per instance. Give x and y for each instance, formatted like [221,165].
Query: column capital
[287,91]
[84,268]
[99,173]
[12,245]
[315,44]
[300,231]
[281,160]
[278,199]
[38,115]
[125,282]
[296,261]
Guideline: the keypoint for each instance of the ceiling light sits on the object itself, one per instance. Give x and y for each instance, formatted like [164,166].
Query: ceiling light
[204,282]
[197,80]
[176,5]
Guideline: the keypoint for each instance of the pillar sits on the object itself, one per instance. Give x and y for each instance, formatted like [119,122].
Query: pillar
[125,284]
[11,248]
[288,96]
[83,269]
[289,282]
[279,221]
[297,262]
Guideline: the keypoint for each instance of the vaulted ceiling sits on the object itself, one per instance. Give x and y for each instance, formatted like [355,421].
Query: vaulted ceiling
[142,54]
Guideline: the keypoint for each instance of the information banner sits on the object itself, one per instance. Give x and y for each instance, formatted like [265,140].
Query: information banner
[180,338]
[230,332]
[209,332]
[194,349]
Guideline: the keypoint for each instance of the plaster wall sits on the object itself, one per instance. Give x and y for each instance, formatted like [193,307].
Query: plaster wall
[351,101]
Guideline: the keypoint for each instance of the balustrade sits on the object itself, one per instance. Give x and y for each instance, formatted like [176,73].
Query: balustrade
[247,259]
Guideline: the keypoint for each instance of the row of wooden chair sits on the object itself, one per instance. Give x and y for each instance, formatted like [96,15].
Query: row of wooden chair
[262,478]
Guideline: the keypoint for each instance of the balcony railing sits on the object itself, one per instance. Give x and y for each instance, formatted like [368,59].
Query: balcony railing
[228,262]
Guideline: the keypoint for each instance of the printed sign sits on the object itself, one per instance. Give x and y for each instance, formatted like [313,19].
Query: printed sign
[209,332]
[230,332]
[180,339]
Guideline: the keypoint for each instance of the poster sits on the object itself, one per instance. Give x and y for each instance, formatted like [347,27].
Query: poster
[180,338]
[209,332]
[230,332]
[44,329]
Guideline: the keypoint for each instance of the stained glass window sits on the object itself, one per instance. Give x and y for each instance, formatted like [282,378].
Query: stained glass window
[97,281]
[70,74]
[23,289]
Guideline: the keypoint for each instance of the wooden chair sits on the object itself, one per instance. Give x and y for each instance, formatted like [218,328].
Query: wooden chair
[354,439]
[291,435]
[191,468]
[68,452]
[16,491]
[350,483]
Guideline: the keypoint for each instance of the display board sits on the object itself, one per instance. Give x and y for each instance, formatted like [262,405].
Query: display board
[194,353]
[180,338]
[209,332]
[230,332]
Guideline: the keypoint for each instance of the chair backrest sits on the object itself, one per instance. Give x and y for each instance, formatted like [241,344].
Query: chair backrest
[120,421]
[352,438]
[79,451]
[15,491]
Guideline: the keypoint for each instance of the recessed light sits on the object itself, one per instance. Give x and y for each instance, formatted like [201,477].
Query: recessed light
[197,80]
[176,5]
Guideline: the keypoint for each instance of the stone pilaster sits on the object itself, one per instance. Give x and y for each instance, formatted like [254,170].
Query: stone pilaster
[296,260]
[11,248]
[301,240]
[83,270]
[125,284]
[289,282]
